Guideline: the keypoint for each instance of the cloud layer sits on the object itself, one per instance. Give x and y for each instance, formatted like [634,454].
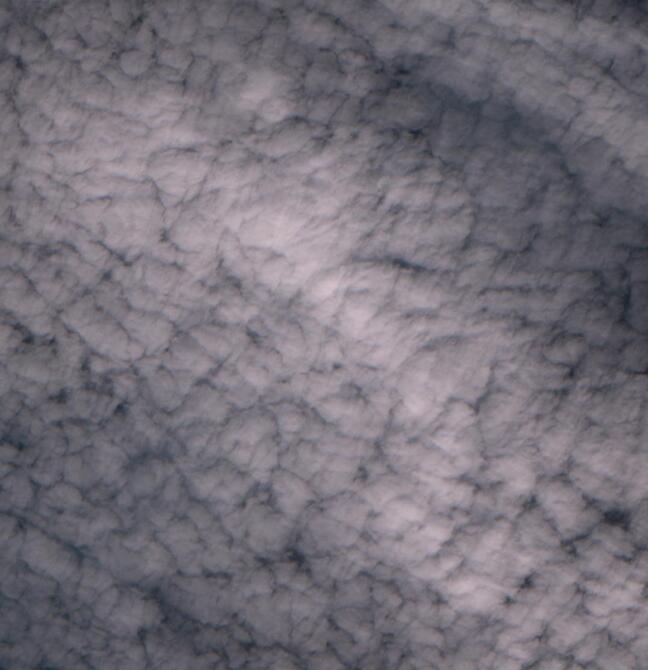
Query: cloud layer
[323,335]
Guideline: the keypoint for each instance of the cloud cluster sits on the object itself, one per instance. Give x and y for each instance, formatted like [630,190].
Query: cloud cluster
[323,334]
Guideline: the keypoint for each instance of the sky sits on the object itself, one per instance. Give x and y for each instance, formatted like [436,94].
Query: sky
[323,335]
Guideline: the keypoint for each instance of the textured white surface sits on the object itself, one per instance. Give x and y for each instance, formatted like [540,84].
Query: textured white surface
[323,335]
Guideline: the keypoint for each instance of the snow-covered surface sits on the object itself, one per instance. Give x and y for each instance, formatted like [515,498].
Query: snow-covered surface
[323,335]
